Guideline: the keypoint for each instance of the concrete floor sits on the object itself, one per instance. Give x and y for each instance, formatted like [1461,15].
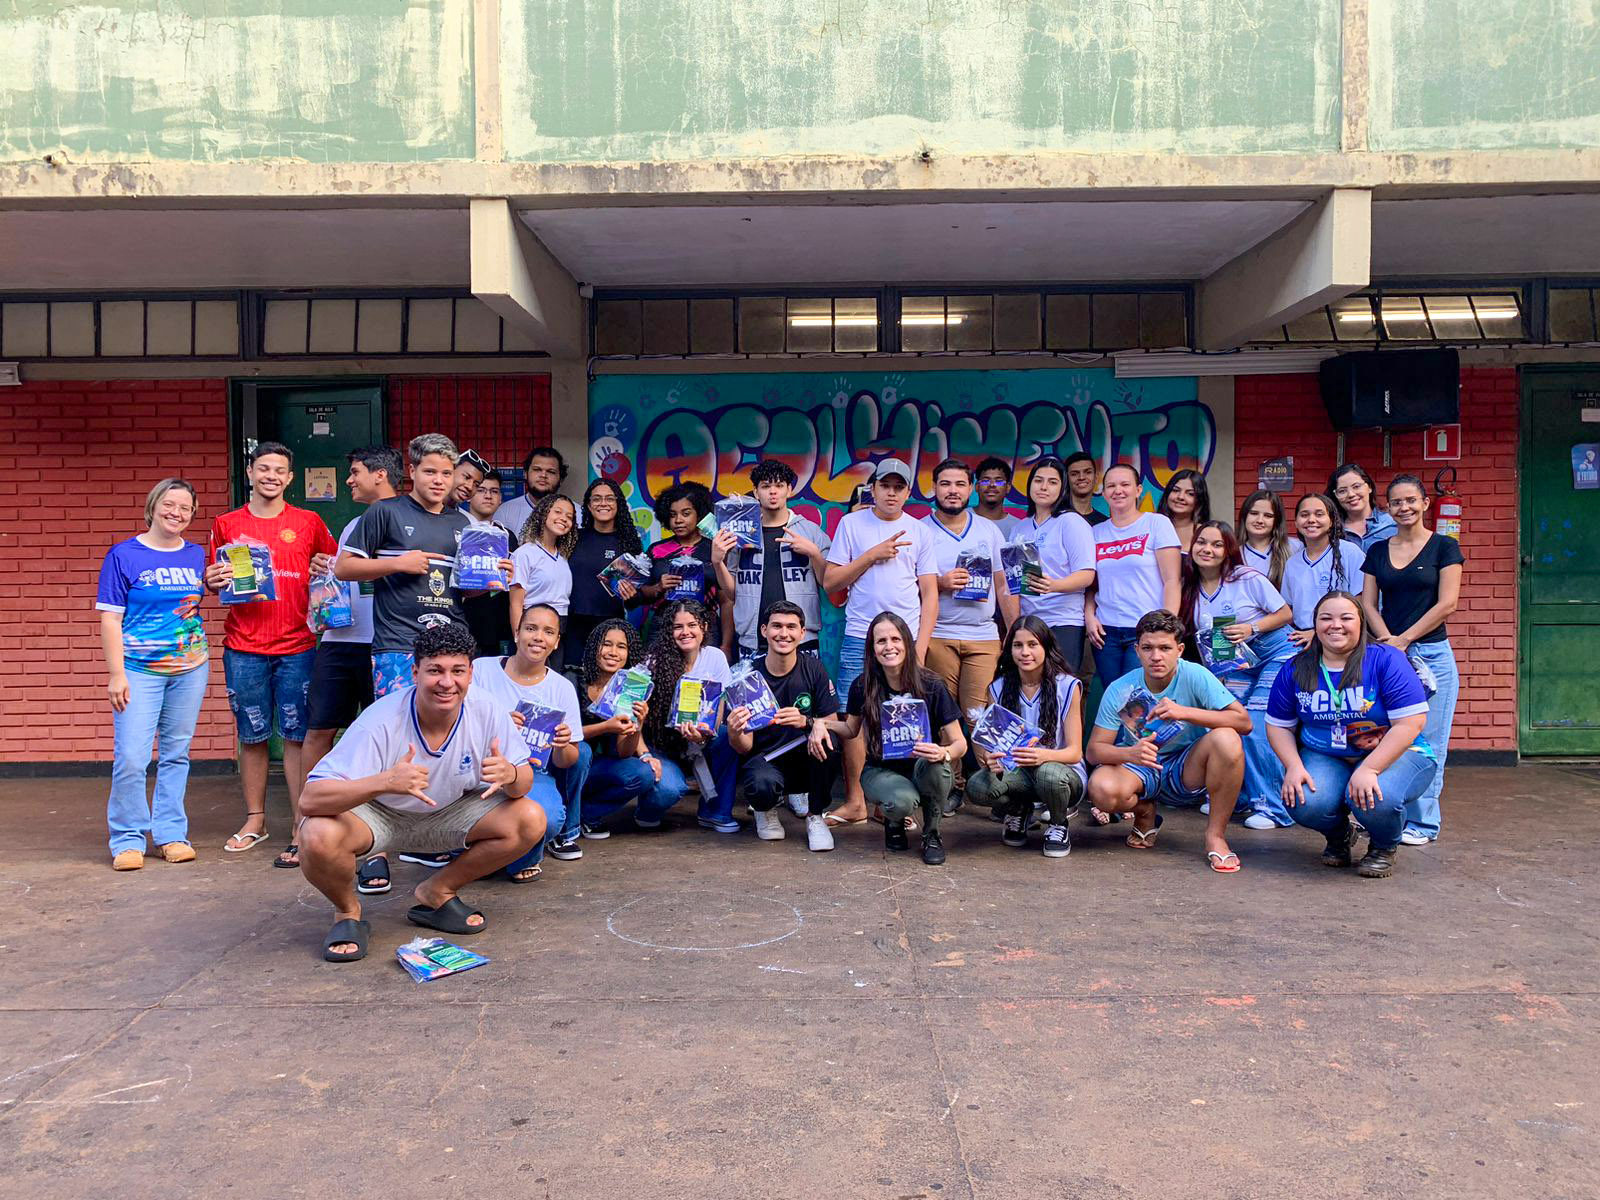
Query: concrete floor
[686,1015]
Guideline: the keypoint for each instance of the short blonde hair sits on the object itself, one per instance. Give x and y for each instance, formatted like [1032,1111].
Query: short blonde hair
[159,492]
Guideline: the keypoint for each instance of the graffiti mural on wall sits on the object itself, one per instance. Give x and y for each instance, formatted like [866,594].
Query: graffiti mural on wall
[649,432]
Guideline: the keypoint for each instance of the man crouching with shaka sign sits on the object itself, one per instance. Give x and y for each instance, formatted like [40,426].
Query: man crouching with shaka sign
[433,767]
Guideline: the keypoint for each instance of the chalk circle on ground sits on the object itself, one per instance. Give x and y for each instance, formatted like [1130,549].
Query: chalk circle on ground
[704,921]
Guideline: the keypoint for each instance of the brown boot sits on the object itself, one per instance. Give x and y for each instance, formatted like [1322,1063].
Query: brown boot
[177,852]
[128,860]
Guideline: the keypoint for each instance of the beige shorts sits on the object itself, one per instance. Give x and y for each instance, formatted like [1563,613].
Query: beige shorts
[433,832]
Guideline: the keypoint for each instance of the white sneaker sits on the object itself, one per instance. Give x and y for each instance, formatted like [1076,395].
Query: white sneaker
[1412,838]
[799,804]
[1259,821]
[1205,809]
[768,826]
[818,836]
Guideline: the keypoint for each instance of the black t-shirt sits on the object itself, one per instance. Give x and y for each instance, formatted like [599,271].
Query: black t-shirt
[941,711]
[1404,594]
[806,687]
[1094,516]
[404,605]
[590,556]
[661,556]
[771,567]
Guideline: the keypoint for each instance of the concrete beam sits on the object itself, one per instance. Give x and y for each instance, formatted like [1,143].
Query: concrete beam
[1323,254]
[518,278]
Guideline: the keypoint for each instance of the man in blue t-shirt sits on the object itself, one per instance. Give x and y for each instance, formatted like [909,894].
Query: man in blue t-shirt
[1170,732]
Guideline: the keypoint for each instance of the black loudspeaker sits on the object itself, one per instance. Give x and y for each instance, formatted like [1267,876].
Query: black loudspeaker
[1391,389]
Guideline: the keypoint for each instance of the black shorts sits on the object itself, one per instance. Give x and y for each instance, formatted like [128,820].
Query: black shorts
[341,684]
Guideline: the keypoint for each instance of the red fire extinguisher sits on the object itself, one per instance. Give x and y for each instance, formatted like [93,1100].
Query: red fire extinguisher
[1448,513]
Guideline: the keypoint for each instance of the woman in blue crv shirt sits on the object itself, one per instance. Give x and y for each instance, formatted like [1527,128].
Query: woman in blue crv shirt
[1346,719]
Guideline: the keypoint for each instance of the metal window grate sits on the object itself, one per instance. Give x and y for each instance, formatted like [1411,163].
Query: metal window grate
[502,417]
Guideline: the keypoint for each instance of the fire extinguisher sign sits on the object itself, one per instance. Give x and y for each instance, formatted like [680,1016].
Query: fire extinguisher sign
[1441,443]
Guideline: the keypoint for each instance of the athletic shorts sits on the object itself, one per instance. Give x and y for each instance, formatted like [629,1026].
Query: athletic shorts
[341,685]
[1164,784]
[427,833]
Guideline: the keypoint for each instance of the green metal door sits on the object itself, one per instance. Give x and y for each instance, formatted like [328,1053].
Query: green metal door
[322,424]
[1560,593]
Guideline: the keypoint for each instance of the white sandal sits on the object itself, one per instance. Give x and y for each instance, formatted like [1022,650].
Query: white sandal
[1144,839]
[251,841]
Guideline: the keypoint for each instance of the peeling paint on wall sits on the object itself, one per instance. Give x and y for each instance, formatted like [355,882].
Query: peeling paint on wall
[1489,75]
[197,80]
[681,79]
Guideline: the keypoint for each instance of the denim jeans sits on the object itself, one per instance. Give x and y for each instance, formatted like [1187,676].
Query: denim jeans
[1422,814]
[1401,784]
[1056,785]
[1117,657]
[852,661]
[1262,791]
[546,793]
[571,780]
[929,786]
[614,783]
[168,705]
[262,687]
[723,766]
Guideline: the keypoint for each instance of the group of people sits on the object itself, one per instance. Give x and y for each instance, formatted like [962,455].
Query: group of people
[1286,680]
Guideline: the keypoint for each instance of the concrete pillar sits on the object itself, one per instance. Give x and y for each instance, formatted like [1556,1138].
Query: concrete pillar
[518,278]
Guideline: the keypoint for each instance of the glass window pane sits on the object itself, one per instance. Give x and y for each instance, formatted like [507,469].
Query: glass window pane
[1116,321]
[810,328]
[1353,320]
[711,327]
[1312,327]
[1163,321]
[617,327]
[969,322]
[1571,317]
[665,326]
[761,325]
[1271,334]
[855,323]
[1066,322]
[1404,319]
[1451,317]
[1016,322]
[1500,316]
[922,323]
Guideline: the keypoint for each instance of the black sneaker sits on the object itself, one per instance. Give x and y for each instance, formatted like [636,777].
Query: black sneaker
[1057,843]
[894,835]
[932,849]
[1378,863]
[432,861]
[1337,853]
[566,849]
[1015,832]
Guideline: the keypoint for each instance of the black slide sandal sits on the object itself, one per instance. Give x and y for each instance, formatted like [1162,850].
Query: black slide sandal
[449,917]
[347,930]
[376,867]
[292,850]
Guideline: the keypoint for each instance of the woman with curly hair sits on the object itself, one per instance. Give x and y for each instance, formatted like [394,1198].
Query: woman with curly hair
[540,573]
[680,509]
[607,531]
[678,652]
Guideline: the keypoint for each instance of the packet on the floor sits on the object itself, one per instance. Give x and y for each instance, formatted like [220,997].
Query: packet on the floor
[253,578]
[329,604]
[1020,561]
[747,688]
[478,556]
[538,731]
[625,689]
[1137,722]
[634,568]
[1002,732]
[904,724]
[426,958]
[980,574]
[691,573]
[697,702]
[740,516]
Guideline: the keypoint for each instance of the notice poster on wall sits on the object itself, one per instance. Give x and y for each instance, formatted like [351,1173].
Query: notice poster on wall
[322,485]
[1276,474]
[1586,467]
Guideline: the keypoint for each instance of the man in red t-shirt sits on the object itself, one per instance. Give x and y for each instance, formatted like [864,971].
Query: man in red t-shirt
[267,647]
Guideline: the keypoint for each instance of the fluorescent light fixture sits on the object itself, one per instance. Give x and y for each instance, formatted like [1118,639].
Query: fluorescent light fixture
[1180,363]
[1351,318]
[933,319]
[816,322]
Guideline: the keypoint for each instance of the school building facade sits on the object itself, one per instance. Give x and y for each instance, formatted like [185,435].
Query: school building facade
[672,237]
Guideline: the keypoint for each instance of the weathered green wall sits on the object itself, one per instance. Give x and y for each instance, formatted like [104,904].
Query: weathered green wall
[209,80]
[1489,74]
[683,79]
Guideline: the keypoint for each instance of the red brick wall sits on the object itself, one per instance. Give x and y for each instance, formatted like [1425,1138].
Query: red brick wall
[1283,414]
[76,462]
[502,417]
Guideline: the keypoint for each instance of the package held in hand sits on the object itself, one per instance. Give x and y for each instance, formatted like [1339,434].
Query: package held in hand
[1135,713]
[691,573]
[253,578]
[1021,562]
[478,556]
[747,688]
[980,575]
[1002,732]
[539,732]
[697,702]
[634,568]
[426,958]
[740,516]
[329,605]
[904,724]
[626,688]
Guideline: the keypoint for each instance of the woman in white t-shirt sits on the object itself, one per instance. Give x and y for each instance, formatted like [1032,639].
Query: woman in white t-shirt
[1066,556]
[1138,569]
[540,573]
[679,652]
[1327,561]
[1264,541]
[1036,683]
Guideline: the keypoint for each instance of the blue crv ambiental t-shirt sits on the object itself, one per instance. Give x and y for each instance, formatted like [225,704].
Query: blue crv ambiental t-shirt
[158,594]
[1389,689]
[1192,686]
